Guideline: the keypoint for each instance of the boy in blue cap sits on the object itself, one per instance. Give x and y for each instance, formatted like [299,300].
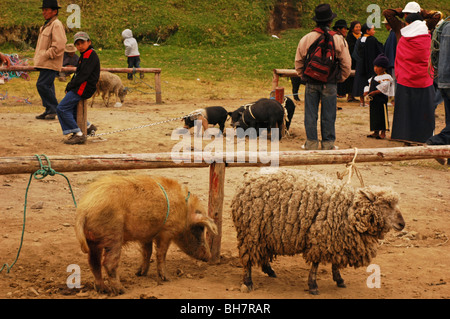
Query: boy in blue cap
[82,86]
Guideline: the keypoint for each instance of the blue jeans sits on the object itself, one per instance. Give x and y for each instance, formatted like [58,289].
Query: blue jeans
[67,113]
[327,95]
[45,85]
[443,138]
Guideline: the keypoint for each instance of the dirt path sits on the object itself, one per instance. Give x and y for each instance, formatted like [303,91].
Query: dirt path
[413,264]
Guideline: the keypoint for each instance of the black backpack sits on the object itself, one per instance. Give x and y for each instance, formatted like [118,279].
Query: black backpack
[320,60]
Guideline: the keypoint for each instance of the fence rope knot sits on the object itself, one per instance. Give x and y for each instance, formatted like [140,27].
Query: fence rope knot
[41,173]
[351,169]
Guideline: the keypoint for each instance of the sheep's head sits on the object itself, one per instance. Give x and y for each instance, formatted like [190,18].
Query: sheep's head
[375,211]
[122,93]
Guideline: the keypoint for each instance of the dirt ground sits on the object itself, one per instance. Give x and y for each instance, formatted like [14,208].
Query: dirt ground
[414,263]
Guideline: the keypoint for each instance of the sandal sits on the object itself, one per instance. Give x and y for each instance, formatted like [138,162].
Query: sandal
[373,136]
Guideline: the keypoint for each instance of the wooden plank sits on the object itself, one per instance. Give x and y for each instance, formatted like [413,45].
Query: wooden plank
[79,163]
[29,68]
[215,206]
[157,71]
[82,116]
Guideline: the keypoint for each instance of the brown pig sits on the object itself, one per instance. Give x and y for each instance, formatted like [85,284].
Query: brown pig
[145,209]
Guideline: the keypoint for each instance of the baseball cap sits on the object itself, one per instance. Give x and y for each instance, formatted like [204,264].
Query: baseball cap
[411,7]
[81,36]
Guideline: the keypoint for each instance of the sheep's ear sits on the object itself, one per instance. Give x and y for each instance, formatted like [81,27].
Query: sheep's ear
[368,194]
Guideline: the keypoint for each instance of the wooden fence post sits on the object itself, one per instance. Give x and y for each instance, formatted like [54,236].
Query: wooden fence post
[82,116]
[215,206]
[158,88]
[279,94]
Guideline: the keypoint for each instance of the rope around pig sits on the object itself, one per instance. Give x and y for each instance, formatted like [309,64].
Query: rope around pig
[43,172]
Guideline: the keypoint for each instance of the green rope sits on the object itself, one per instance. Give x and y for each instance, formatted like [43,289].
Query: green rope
[43,172]
[167,199]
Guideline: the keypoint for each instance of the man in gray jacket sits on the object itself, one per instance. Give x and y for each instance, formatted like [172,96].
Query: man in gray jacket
[318,91]
[443,81]
[48,57]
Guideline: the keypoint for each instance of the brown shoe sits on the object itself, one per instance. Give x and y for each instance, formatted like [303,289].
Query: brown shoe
[76,139]
[50,116]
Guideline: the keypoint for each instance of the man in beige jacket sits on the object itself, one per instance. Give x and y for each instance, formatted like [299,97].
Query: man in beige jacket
[48,57]
[315,91]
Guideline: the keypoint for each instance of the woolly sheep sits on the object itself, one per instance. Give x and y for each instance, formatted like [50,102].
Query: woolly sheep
[295,211]
[108,84]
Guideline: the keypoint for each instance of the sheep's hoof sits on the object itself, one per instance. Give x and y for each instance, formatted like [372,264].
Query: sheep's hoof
[314,291]
[246,289]
[341,284]
[269,271]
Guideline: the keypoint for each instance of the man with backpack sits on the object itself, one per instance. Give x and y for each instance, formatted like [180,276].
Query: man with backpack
[322,60]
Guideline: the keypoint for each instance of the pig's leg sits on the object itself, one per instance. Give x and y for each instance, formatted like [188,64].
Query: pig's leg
[111,263]
[162,245]
[95,263]
[147,249]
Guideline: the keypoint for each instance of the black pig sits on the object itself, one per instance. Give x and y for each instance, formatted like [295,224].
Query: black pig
[209,115]
[264,113]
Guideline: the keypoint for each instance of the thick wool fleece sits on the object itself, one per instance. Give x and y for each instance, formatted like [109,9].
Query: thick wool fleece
[295,211]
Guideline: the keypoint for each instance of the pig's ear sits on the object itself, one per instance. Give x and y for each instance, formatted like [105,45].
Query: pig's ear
[203,220]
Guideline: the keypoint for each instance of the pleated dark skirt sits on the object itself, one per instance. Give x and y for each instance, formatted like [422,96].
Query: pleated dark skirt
[379,118]
[413,114]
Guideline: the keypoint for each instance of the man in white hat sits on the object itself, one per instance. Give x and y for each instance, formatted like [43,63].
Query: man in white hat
[393,17]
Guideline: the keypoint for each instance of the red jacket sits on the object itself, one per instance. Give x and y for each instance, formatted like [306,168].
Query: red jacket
[84,82]
[412,57]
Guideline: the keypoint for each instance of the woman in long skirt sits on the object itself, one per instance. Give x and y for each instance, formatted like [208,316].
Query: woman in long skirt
[414,110]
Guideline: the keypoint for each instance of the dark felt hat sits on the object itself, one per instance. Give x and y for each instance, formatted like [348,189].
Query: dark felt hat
[323,13]
[340,24]
[381,60]
[52,4]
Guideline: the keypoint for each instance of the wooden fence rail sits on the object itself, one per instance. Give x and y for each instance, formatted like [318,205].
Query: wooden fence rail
[77,163]
[156,71]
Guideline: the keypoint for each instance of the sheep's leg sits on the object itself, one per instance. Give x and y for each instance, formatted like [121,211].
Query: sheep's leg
[147,249]
[267,269]
[107,100]
[312,284]
[337,276]
[93,98]
[248,277]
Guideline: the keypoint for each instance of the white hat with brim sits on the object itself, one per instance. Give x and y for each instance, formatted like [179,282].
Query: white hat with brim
[411,7]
